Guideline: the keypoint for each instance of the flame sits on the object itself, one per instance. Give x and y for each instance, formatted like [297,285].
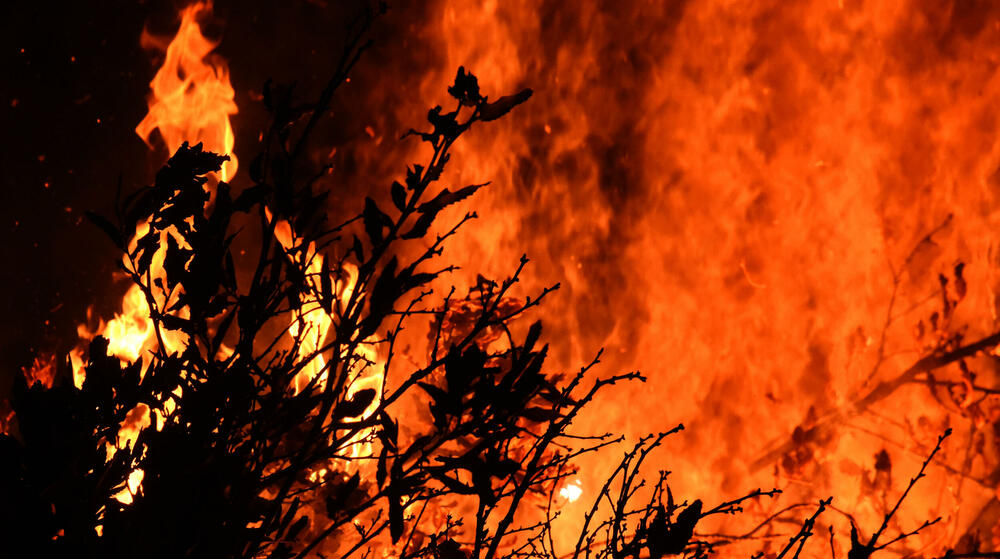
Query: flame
[191,100]
[731,195]
[571,491]
[191,96]
[310,324]
[42,370]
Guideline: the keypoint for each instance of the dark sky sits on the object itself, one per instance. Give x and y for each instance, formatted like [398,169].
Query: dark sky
[74,86]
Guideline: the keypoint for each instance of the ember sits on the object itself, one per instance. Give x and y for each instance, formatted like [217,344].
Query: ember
[783,214]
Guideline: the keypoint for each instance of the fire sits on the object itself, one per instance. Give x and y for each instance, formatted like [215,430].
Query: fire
[191,97]
[736,197]
[310,324]
[191,100]
[739,199]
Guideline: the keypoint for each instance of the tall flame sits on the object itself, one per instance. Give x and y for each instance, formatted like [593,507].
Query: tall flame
[191,96]
[735,196]
[191,100]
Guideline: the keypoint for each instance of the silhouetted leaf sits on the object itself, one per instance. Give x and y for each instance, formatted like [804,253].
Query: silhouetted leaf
[450,549]
[503,105]
[398,195]
[446,198]
[109,229]
[374,221]
[413,175]
[539,415]
[298,526]
[356,405]
[465,88]
[858,550]
[395,518]
[358,249]
[453,484]
[327,295]
[384,293]
[419,228]
[389,433]
[337,500]
[675,538]
[175,261]
[381,469]
[249,198]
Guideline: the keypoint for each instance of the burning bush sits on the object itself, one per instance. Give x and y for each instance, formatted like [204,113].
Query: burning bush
[267,410]
[262,421]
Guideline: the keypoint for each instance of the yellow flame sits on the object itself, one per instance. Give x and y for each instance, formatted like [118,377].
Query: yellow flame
[310,324]
[191,100]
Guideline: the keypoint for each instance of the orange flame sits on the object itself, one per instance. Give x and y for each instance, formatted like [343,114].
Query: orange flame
[732,193]
[310,324]
[190,101]
[191,97]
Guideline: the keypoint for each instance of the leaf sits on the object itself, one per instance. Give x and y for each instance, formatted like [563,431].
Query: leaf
[436,393]
[677,534]
[389,434]
[175,262]
[505,468]
[444,124]
[222,329]
[147,245]
[413,176]
[384,294]
[446,198]
[858,550]
[229,267]
[454,485]
[380,472]
[539,415]
[372,217]
[465,88]
[257,164]
[358,249]
[395,518]
[450,549]
[375,221]
[419,228]
[416,280]
[503,105]
[113,232]
[297,527]
[356,405]
[398,195]
[326,286]
[249,198]
[338,498]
